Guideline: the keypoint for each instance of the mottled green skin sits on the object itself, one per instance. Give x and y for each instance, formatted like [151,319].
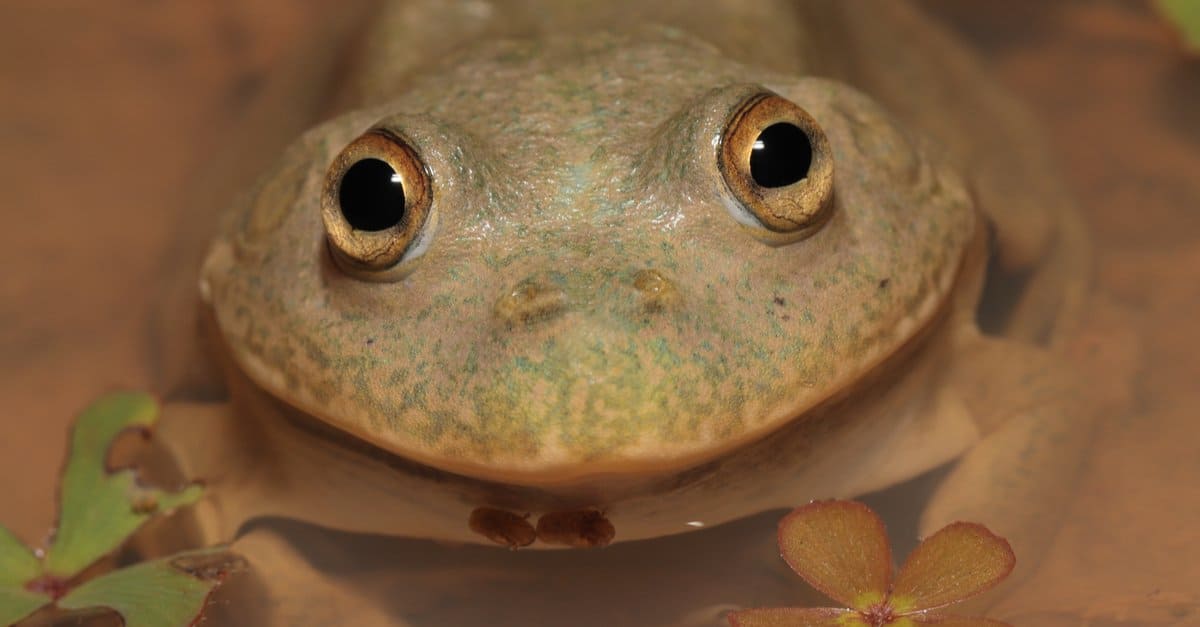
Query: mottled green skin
[569,165]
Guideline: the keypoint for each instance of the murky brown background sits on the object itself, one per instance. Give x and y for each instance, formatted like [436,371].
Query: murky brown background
[116,118]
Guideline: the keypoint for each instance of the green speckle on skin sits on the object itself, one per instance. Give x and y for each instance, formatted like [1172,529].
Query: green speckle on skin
[663,353]
[316,353]
[414,396]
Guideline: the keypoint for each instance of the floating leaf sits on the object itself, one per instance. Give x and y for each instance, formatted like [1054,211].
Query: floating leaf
[1185,14]
[959,561]
[167,592]
[840,548]
[100,509]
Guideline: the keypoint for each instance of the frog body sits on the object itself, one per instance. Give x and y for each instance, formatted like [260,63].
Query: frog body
[592,311]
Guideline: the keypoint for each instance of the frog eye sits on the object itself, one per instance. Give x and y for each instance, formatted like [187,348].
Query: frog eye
[375,205]
[778,166]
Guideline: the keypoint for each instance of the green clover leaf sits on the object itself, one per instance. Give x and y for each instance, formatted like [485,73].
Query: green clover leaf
[100,508]
[841,548]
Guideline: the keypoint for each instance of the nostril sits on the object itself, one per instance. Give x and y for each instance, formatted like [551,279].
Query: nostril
[531,301]
[658,292]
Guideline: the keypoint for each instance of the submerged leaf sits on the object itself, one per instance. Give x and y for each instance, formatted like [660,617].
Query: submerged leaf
[795,617]
[840,548]
[166,592]
[99,509]
[1185,14]
[959,561]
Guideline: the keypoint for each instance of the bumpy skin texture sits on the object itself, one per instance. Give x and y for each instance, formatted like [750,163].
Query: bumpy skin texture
[588,304]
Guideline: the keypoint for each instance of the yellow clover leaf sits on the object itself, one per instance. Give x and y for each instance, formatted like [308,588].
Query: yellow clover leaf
[841,549]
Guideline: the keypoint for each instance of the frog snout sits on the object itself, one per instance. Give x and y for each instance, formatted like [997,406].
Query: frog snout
[540,299]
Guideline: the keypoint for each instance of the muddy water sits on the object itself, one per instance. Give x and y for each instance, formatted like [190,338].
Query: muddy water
[115,118]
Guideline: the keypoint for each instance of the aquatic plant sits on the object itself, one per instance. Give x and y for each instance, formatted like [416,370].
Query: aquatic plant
[99,509]
[841,548]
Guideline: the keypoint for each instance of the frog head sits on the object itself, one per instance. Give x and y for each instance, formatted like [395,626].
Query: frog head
[546,262]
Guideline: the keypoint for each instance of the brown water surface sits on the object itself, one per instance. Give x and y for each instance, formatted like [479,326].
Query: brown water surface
[118,117]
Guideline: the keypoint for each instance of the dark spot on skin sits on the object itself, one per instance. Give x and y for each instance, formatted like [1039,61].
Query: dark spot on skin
[779,301]
[503,528]
[883,283]
[582,529]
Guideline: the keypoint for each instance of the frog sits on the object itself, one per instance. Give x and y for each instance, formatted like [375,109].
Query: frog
[559,278]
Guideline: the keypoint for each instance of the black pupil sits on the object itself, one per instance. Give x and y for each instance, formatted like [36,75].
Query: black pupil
[371,196]
[782,155]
